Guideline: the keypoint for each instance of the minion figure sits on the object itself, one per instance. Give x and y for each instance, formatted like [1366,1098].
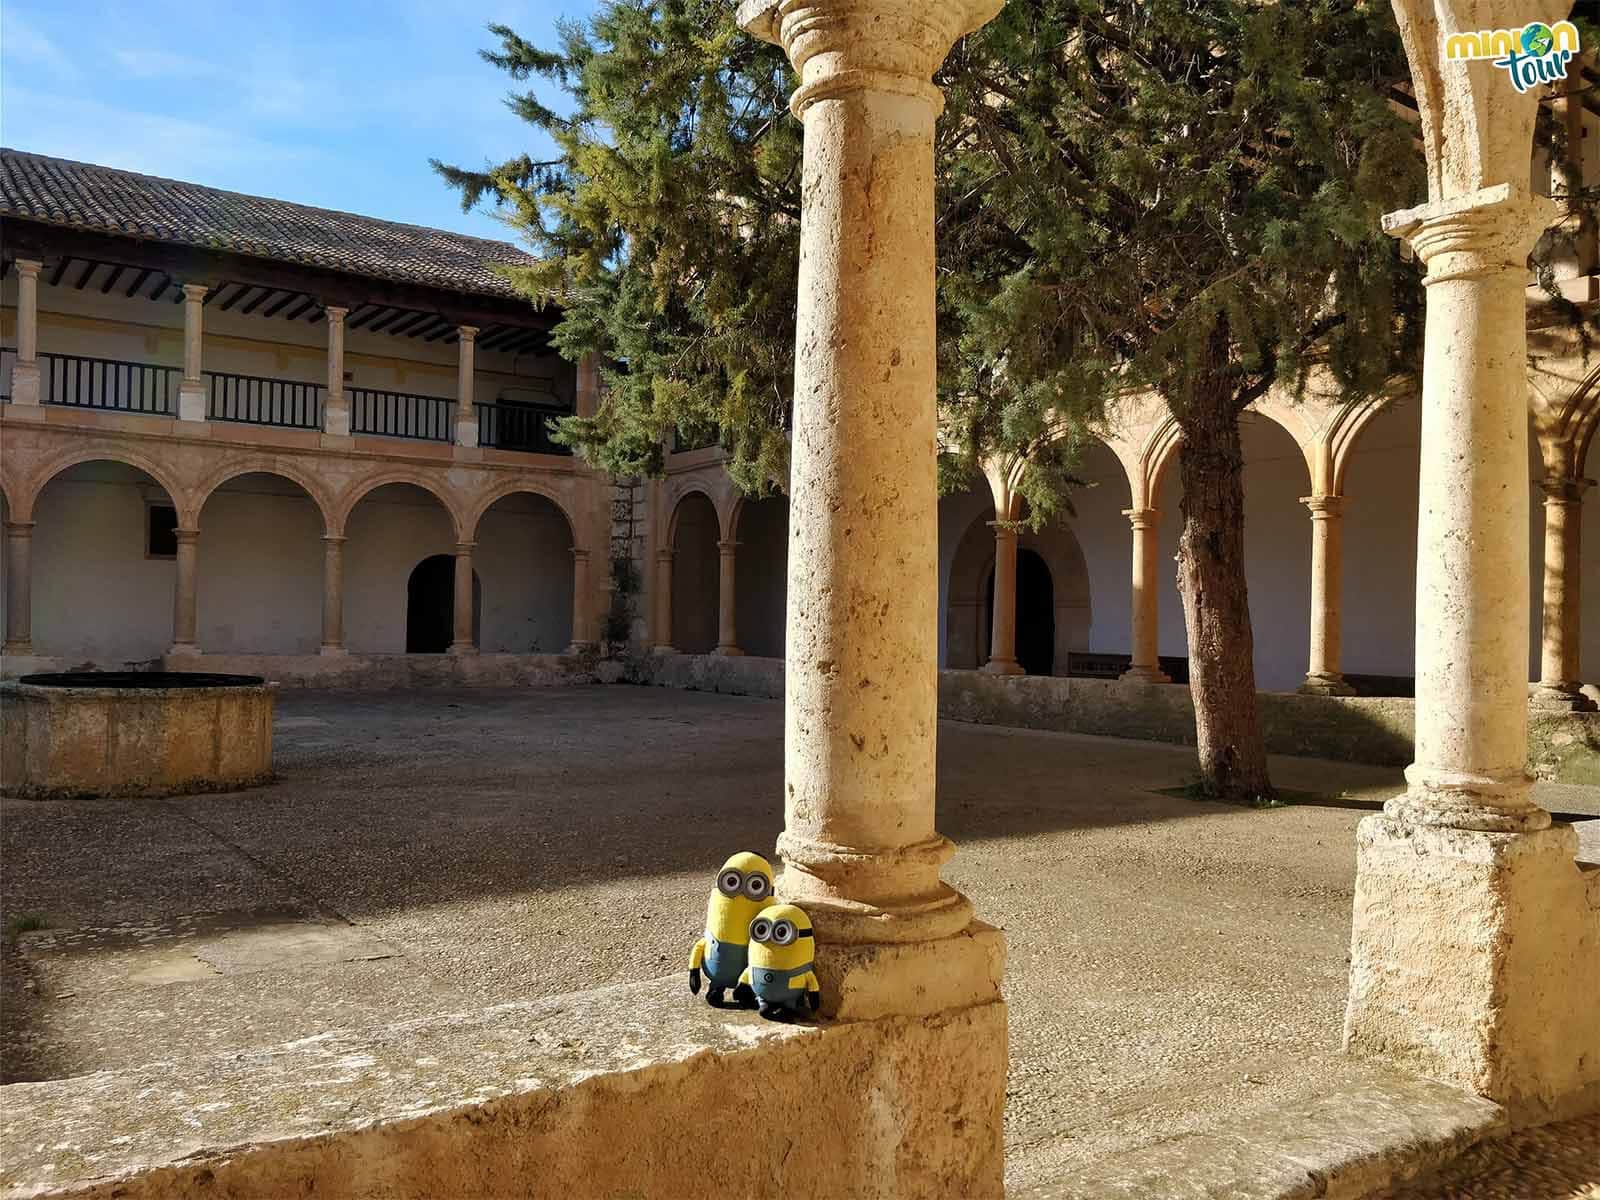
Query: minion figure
[781,972]
[744,885]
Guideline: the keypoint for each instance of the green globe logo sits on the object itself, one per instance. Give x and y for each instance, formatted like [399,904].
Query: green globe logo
[1537,39]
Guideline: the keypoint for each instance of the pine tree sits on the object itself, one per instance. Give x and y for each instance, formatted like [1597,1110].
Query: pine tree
[1170,195]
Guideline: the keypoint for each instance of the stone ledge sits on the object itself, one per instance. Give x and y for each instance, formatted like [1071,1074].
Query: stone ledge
[624,1090]
[1342,1145]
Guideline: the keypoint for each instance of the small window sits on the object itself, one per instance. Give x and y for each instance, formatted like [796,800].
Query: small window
[161,539]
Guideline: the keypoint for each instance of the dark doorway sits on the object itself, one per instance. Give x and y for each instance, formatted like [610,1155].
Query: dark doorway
[1036,615]
[431,605]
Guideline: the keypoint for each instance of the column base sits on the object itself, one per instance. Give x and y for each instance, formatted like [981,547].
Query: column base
[21,649]
[664,648]
[183,650]
[1475,959]
[191,403]
[582,648]
[1144,675]
[728,651]
[1559,697]
[331,650]
[1328,684]
[1002,666]
[911,979]
[461,648]
[25,392]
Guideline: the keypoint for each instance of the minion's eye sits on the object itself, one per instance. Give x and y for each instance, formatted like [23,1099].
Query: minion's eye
[783,933]
[756,886]
[730,883]
[760,931]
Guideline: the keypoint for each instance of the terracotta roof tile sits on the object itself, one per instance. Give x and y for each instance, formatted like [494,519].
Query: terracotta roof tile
[103,199]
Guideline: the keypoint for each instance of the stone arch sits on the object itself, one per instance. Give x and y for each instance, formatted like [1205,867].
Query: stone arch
[1294,420]
[309,483]
[512,487]
[971,570]
[1338,441]
[359,490]
[1157,455]
[695,571]
[27,496]
[674,510]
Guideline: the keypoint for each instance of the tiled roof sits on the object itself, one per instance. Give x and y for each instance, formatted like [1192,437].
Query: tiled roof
[105,200]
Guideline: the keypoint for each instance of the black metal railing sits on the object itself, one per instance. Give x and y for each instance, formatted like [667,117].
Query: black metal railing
[8,360]
[80,382]
[257,400]
[401,414]
[524,427]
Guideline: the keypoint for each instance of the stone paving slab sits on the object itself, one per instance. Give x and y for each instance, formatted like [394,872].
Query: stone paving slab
[1554,1162]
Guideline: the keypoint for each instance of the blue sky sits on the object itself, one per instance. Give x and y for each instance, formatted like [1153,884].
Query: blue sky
[338,103]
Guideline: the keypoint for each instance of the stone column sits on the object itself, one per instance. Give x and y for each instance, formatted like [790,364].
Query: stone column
[663,598]
[183,593]
[466,414]
[25,373]
[332,595]
[1146,665]
[859,845]
[336,408]
[1323,674]
[19,587]
[727,634]
[1559,681]
[1003,612]
[192,390]
[461,639]
[583,634]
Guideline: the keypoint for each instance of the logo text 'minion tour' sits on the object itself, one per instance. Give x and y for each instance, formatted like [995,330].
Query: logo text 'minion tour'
[1537,53]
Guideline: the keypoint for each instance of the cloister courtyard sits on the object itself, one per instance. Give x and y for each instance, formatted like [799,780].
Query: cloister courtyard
[1177,971]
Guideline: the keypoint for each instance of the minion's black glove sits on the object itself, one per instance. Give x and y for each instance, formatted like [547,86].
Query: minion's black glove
[694,981]
[815,1000]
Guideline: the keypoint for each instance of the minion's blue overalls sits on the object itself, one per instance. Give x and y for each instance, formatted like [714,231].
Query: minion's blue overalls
[725,961]
[785,987]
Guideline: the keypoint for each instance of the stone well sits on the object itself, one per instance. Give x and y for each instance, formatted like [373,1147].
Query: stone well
[134,733]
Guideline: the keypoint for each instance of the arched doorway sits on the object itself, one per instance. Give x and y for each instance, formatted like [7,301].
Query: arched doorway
[1036,614]
[696,565]
[431,605]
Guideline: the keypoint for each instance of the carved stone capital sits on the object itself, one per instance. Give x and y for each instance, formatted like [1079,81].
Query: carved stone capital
[1142,518]
[1564,490]
[1483,233]
[1324,507]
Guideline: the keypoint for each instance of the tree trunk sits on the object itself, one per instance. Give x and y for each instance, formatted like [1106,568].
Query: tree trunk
[1222,677]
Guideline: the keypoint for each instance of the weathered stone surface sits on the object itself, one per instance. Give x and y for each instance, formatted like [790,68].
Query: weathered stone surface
[545,1096]
[1342,1144]
[383,671]
[160,741]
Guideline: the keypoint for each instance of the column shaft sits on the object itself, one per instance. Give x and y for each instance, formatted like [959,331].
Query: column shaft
[19,587]
[184,608]
[191,391]
[663,602]
[461,641]
[466,412]
[1003,612]
[1324,671]
[336,410]
[583,635]
[1559,681]
[727,634]
[332,595]
[25,372]
[1146,599]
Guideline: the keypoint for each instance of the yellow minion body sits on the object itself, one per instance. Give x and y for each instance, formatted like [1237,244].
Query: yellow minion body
[782,950]
[744,885]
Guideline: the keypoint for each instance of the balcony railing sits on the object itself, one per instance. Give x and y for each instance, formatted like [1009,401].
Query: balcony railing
[8,359]
[257,400]
[80,382]
[401,414]
[524,427]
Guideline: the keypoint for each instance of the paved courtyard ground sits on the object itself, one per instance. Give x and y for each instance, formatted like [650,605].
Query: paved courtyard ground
[1173,965]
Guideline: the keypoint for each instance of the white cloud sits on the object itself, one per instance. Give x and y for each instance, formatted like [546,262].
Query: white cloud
[142,63]
[22,43]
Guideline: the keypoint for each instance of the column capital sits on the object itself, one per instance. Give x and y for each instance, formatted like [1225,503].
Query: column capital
[29,268]
[1564,489]
[186,537]
[336,313]
[665,554]
[18,528]
[579,554]
[844,46]
[195,292]
[465,547]
[1481,233]
[1142,518]
[1324,507]
[728,545]
[1003,529]
[335,539]
[466,333]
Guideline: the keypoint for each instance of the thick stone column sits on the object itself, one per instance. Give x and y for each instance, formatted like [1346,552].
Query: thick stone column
[1324,674]
[466,413]
[25,372]
[183,593]
[860,850]
[192,389]
[461,635]
[662,592]
[336,408]
[1559,683]
[1146,665]
[727,633]
[19,587]
[583,632]
[1473,945]
[332,595]
[1003,612]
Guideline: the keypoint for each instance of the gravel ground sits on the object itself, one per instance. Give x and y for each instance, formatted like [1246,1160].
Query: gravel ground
[1172,965]
[1552,1163]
